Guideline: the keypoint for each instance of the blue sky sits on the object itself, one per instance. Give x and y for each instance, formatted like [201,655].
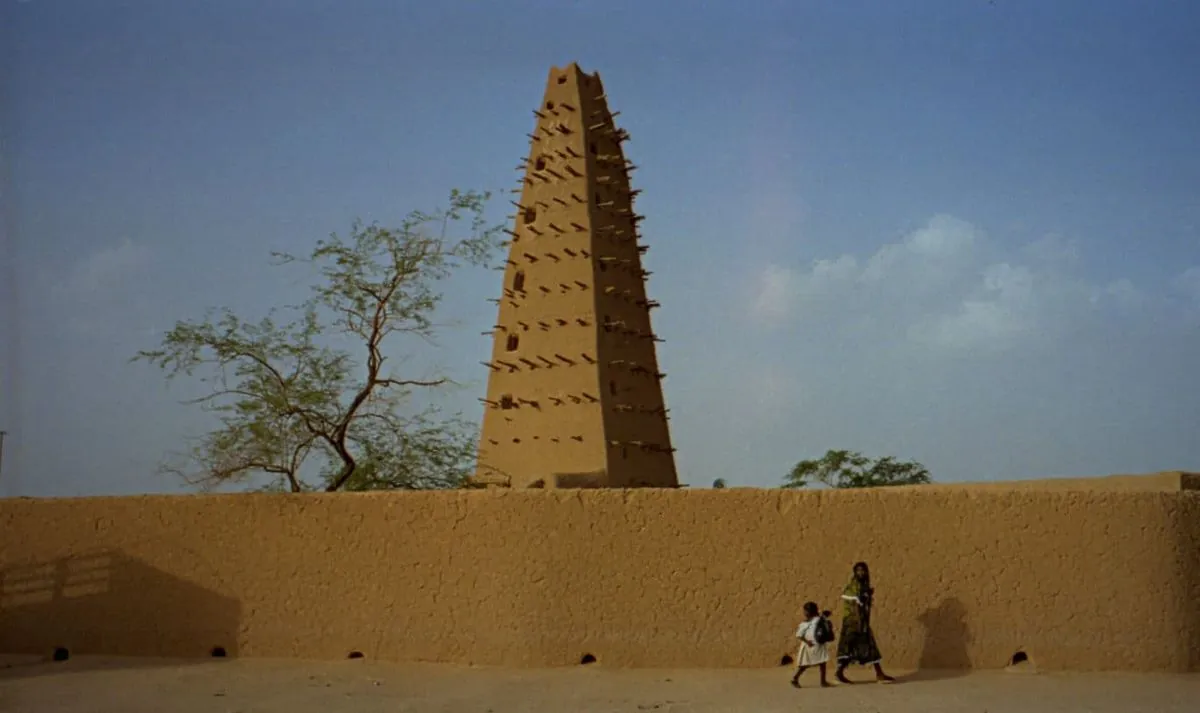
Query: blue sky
[963,232]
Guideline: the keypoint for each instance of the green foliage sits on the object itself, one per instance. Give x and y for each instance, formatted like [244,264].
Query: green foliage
[850,469]
[719,483]
[290,405]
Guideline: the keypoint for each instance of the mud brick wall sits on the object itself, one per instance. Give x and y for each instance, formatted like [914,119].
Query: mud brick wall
[1104,577]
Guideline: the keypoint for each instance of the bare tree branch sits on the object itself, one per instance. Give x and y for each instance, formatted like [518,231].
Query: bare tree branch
[410,382]
[282,398]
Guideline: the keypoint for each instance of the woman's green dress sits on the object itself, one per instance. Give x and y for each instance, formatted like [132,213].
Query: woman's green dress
[857,642]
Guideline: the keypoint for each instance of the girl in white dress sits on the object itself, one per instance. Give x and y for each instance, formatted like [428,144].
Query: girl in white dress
[812,652]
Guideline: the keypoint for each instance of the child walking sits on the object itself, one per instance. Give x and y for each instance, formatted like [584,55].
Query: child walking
[814,634]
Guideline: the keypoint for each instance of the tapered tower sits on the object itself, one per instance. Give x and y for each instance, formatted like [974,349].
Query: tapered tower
[574,395]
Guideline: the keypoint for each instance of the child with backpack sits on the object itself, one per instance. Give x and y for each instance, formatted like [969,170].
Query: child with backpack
[815,634]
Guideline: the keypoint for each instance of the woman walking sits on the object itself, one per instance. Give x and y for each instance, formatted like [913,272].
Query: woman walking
[857,643]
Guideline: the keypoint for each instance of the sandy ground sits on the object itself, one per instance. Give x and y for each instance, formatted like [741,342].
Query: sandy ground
[261,686]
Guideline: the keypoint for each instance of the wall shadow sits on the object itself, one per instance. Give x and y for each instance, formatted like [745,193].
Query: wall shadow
[596,479]
[944,652]
[107,604]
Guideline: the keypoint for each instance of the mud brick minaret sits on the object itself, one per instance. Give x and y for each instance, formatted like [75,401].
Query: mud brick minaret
[574,395]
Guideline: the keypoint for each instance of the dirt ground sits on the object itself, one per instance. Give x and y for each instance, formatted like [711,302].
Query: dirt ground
[262,686]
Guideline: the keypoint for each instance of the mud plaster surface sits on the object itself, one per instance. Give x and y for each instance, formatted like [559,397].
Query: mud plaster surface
[638,578]
[268,686]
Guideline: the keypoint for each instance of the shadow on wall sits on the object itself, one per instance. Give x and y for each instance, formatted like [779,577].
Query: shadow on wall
[947,636]
[107,604]
[594,479]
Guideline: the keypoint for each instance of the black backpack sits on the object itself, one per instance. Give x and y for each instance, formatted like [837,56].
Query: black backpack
[824,631]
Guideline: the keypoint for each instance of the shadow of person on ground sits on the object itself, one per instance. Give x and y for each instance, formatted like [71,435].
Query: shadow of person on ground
[944,651]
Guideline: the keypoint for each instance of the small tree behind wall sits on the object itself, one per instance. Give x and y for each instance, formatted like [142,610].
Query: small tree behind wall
[291,405]
[850,469]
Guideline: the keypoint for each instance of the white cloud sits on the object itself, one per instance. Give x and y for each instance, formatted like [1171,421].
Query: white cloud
[106,268]
[1187,284]
[946,286]
[923,263]
[776,292]
[1052,249]
[91,293]
[998,312]
[1122,293]
[770,389]
[945,242]
[981,358]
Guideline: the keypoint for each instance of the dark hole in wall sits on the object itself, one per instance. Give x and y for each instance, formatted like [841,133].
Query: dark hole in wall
[540,164]
[787,660]
[549,105]
[587,659]
[60,654]
[512,342]
[218,652]
[592,147]
[562,79]
[1018,658]
[355,655]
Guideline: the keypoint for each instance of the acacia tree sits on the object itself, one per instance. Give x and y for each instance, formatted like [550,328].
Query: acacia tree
[851,469]
[297,409]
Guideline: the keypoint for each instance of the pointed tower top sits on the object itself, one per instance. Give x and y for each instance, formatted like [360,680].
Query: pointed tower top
[572,74]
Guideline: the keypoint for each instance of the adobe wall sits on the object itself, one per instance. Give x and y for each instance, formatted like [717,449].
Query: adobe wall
[965,577]
[1166,481]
